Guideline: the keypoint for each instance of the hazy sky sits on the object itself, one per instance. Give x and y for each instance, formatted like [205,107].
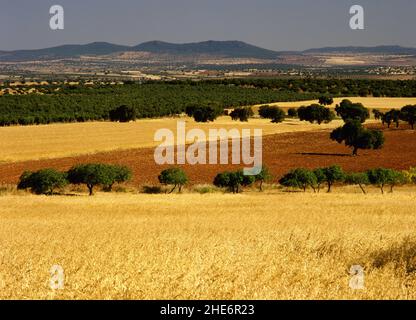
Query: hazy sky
[273,24]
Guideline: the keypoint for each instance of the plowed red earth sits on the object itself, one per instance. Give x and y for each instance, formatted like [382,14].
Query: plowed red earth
[281,153]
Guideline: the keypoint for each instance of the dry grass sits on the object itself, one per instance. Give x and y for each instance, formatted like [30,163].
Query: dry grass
[61,140]
[368,102]
[212,246]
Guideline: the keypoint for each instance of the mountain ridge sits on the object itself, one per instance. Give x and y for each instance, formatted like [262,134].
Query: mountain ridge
[227,49]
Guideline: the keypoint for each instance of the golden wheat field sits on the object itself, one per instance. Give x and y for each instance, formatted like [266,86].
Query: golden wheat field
[368,102]
[62,140]
[271,245]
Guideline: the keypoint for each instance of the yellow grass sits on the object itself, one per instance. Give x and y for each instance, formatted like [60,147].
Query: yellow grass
[214,246]
[60,140]
[368,102]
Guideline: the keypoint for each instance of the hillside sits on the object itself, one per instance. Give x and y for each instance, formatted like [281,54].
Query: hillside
[229,49]
[232,49]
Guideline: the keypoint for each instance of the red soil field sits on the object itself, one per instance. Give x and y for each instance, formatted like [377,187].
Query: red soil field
[281,152]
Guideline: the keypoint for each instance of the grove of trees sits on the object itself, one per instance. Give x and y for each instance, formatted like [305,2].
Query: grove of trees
[67,103]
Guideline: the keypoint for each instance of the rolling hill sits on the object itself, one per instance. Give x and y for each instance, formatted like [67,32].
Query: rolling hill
[214,50]
[229,49]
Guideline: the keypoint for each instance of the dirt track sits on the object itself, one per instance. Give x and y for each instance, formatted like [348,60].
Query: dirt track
[281,152]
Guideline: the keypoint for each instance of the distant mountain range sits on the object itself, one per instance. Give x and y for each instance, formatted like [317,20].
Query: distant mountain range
[224,49]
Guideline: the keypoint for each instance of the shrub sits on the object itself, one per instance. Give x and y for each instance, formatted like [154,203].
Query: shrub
[42,182]
[152,190]
[173,176]
[204,189]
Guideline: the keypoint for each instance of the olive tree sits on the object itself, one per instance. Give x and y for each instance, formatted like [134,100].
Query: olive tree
[352,111]
[233,180]
[203,113]
[316,113]
[354,135]
[175,177]
[263,176]
[408,114]
[382,177]
[358,178]
[333,174]
[242,114]
[299,178]
[43,181]
[276,114]
[326,100]
[95,174]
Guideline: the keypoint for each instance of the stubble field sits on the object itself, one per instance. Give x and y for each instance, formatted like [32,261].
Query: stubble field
[250,246]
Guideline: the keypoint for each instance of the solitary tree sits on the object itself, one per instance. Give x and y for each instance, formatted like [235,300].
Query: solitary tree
[352,111]
[173,176]
[123,114]
[333,174]
[316,113]
[42,182]
[408,114]
[357,137]
[92,175]
[358,178]
[276,114]
[299,178]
